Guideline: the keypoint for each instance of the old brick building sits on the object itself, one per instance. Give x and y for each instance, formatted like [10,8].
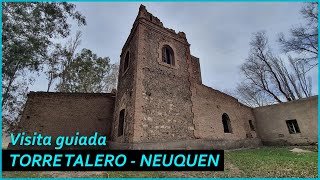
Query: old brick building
[161,103]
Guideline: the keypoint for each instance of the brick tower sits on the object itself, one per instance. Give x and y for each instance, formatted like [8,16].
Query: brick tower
[153,101]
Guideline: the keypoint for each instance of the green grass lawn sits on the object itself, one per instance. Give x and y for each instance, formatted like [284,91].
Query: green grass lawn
[274,162]
[263,162]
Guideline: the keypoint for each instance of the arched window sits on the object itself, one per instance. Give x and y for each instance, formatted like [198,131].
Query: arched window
[251,125]
[121,122]
[126,62]
[226,123]
[167,55]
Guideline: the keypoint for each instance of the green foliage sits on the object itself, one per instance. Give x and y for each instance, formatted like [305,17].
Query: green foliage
[80,72]
[275,162]
[88,73]
[28,30]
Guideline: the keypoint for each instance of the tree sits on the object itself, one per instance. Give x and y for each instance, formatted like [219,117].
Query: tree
[28,29]
[88,73]
[80,72]
[252,96]
[304,38]
[53,63]
[68,56]
[267,77]
[13,110]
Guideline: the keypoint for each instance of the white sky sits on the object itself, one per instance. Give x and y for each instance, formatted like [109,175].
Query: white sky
[219,33]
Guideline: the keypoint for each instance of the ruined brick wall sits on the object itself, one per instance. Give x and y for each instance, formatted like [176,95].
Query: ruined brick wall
[166,106]
[272,127]
[208,108]
[163,96]
[65,114]
[126,90]
[169,103]
[196,70]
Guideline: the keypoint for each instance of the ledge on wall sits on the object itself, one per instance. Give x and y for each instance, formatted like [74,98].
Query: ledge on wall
[42,93]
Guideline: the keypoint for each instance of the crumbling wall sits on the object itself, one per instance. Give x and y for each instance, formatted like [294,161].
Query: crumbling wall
[163,99]
[208,107]
[170,102]
[126,90]
[272,127]
[57,114]
[196,72]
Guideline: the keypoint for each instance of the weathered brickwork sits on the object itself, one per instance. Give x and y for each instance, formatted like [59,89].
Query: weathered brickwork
[57,114]
[170,103]
[126,93]
[272,127]
[165,104]
[196,71]
[166,90]
[209,105]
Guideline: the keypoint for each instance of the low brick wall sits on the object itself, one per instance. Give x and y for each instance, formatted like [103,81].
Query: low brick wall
[199,144]
[63,114]
[272,127]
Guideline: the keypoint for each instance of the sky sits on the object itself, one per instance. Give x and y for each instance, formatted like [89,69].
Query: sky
[219,33]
